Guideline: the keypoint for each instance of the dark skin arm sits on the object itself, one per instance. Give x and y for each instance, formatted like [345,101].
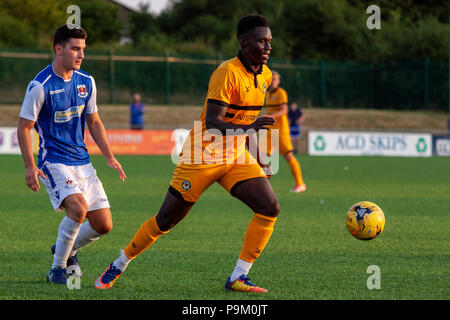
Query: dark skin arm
[215,114]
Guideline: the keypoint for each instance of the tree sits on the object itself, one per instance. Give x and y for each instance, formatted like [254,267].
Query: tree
[26,23]
[101,19]
[142,24]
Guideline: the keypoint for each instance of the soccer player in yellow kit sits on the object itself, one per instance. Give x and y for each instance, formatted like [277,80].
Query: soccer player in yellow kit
[276,103]
[236,94]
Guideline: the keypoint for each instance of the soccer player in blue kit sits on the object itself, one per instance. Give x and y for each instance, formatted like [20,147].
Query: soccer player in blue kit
[58,103]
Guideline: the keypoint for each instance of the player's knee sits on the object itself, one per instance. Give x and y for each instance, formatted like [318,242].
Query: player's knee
[272,209]
[104,228]
[288,155]
[76,210]
[276,208]
[166,223]
[172,211]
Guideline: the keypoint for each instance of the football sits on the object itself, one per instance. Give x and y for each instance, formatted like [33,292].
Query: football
[365,220]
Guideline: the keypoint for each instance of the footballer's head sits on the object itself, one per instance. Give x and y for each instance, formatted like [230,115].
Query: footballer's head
[254,35]
[69,45]
[136,98]
[275,80]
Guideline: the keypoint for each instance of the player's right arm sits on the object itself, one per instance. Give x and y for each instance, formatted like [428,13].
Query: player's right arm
[32,104]
[215,114]
[31,170]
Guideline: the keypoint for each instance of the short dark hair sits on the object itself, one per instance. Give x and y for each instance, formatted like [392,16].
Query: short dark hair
[250,22]
[63,34]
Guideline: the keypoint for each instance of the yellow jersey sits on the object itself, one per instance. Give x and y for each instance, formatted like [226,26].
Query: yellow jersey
[243,93]
[274,100]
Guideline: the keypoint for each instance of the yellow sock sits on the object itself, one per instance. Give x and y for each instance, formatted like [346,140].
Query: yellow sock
[256,237]
[148,233]
[296,171]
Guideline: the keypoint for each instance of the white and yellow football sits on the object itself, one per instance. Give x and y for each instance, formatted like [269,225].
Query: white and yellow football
[365,220]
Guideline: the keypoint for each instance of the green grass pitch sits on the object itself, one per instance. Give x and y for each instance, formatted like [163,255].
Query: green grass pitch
[310,255]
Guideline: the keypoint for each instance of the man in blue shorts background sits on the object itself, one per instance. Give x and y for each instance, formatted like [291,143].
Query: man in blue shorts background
[296,118]
[137,111]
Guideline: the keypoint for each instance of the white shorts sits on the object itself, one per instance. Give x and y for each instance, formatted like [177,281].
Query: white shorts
[63,180]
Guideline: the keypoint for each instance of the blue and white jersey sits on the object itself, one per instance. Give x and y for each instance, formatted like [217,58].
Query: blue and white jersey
[59,108]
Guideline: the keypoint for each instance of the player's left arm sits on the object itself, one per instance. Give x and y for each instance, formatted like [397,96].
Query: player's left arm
[98,133]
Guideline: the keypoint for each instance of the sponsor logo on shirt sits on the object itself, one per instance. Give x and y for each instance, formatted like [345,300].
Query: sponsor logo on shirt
[56,91]
[67,115]
[246,117]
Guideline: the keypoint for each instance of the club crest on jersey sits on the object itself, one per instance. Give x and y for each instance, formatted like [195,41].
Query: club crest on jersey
[264,87]
[82,92]
[186,185]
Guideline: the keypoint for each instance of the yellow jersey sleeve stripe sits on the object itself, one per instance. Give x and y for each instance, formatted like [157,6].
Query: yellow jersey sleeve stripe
[219,102]
[236,107]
